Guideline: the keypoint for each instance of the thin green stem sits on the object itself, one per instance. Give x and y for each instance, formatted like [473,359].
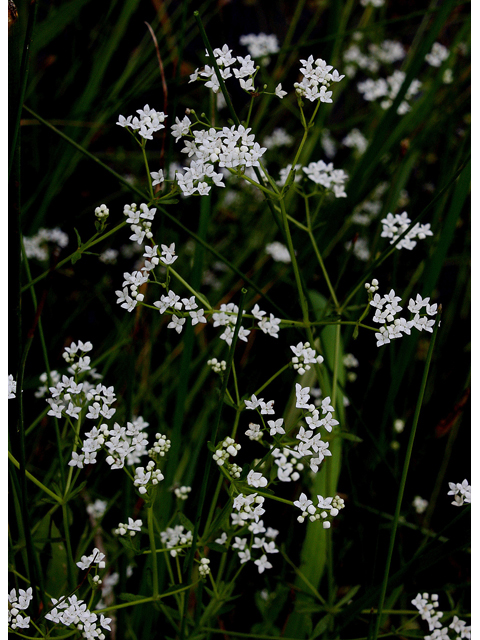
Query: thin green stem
[134,603]
[272,378]
[296,271]
[90,243]
[198,295]
[145,160]
[403,480]
[41,486]
[324,271]
[153,550]
[213,506]
[68,546]
[214,435]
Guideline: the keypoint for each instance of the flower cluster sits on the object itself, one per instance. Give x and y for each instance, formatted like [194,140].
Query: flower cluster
[249,507]
[304,356]
[317,77]
[204,568]
[270,326]
[75,612]
[419,504]
[356,140]
[174,537]
[278,138]
[172,302]
[35,245]
[461,492]
[227,317]
[233,148]
[17,604]
[278,251]
[388,52]
[330,178]
[132,528]
[102,212]
[182,492]
[124,445]
[309,444]
[224,450]
[140,221]
[69,397]
[260,45]
[96,557]
[288,463]
[388,90]
[148,122]
[254,431]
[285,172]
[326,507]
[151,476]
[437,55]
[426,605]
[97,509]
[217,367]
[387,308]
[225,62]
[395,225]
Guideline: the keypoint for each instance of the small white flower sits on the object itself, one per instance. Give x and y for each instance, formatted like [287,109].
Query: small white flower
[263,563]
[176,323]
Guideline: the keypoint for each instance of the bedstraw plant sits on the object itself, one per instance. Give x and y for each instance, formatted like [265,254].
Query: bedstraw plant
[241,362]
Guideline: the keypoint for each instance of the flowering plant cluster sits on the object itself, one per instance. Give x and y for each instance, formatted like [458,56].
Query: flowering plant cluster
[395,225]
[236,424]
[427,605]
[387,307]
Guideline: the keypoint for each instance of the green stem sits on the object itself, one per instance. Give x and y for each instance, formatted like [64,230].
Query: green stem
[250,107]
[134,603]
[41,486]
[298,280]
[270,380]
[199,296]
[151,537]
[32,16]
[335,364]
[90,243]
[324,271]
[144,153]
[68,545]
[403,480]
[212,507]
[214,435]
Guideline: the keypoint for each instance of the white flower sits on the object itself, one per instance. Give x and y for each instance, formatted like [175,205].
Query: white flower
[276,426]
[157,176]
[255,479]
[278,92]
[176,323]
[263,563]
[244,556]
[254,402]
[279,252]
[197,316]
[12,387]
[420,504]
